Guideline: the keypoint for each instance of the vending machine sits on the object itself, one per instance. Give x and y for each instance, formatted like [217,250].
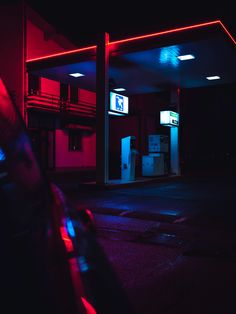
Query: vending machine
[155,163]
[128,156]
[158,143]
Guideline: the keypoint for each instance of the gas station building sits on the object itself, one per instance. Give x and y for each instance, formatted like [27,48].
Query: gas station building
[133,108]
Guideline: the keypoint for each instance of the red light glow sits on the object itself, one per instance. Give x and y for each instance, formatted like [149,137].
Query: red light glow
[175,30]
[65,237]
[89,308]
[227,32]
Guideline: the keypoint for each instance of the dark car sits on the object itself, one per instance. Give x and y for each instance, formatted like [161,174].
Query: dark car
[51,261]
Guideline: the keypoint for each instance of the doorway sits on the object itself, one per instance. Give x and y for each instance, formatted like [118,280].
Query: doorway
[43,142]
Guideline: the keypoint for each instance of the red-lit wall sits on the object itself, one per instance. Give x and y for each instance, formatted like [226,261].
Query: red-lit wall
[12,51]
[86,96]
[49,86]
[66,159]
[53,87]
[37,43]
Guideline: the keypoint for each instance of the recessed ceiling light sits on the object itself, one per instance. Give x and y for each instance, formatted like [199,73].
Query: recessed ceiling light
[186,57]
[119,89]
[77,74]
[214,77]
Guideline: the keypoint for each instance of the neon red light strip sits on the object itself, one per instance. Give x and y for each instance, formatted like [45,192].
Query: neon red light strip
[165,32]
[138,38]
[62,53]
[176,30]
[227,32]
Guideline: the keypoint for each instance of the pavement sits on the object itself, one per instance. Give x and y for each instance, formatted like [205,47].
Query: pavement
[172,242]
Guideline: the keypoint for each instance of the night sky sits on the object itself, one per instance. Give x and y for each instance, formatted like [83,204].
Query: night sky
[82,21]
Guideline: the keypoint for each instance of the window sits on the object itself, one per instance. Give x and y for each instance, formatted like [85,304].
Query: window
[64,91]
[73,94]
[75,140]
[33,83]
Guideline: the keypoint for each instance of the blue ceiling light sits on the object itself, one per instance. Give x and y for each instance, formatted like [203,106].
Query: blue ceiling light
[77,74]
[186,57]
[168,55]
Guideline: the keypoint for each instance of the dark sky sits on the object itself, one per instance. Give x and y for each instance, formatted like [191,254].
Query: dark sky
[81,21]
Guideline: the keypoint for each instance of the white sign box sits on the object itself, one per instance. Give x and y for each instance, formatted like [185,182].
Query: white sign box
[158,143]
[119,103]
[169,118]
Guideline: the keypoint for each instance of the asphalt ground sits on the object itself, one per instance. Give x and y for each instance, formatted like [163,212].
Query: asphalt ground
[172,243]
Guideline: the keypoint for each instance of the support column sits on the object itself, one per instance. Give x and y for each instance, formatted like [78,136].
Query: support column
[102,106]
[174,137]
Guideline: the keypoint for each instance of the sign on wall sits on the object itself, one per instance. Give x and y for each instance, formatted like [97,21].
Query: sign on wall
[119,103]
[169,118]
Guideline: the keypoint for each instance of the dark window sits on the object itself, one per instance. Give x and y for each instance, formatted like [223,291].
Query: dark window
[75,140]
[33,84]
[64,91]
[73,94]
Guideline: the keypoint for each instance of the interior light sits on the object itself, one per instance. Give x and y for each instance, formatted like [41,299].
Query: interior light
[214,77]
[186,57]
[77,74]
[119,89]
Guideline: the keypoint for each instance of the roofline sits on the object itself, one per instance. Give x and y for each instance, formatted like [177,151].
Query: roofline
[47,28]
[175,30]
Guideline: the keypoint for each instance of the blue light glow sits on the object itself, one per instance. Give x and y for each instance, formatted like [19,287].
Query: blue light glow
[70,228]
[83,264]
[169,55]
[171,212]
[2,155]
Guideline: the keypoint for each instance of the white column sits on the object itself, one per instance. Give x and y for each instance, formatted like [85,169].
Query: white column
[174,151]
[174,135]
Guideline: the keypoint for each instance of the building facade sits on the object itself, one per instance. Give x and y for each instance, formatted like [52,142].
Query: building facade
[67,117]
[62,137]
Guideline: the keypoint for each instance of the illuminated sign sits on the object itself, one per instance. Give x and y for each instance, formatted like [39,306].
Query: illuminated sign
[119,103]
[169,118]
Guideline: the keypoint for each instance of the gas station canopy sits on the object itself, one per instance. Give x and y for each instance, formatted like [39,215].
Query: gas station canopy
[187,57]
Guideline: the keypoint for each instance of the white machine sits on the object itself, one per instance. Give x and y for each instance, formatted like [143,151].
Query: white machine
[153,164]
[128,156]
[158,143]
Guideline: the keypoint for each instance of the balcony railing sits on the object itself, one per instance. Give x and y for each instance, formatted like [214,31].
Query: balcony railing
[52,103]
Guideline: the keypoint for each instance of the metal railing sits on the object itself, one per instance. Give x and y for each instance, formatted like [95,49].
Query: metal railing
[53,103]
